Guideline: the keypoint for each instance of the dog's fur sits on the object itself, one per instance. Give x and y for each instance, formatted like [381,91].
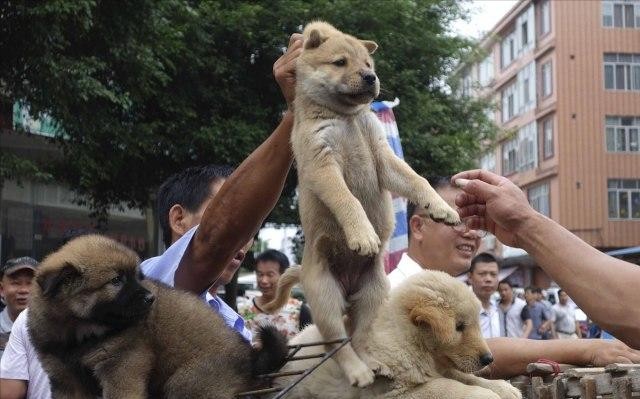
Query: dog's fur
[426,336]
[98,328]
[346,172]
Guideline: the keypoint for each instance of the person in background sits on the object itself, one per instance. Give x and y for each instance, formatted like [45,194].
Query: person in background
[567,327]
[16,276]
[537,313]
[434,246]
[542,298]
[510,306]
[483,278]
[290,319]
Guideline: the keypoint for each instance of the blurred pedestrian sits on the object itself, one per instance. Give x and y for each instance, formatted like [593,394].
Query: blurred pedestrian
[483,278]
[289,319]
[567,327]
[512,324]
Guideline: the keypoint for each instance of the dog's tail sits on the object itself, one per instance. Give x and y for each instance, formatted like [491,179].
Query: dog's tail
[286,282]
[272,352]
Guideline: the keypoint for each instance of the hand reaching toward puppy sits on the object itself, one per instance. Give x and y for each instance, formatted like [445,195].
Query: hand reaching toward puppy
[493,203]
[284,69]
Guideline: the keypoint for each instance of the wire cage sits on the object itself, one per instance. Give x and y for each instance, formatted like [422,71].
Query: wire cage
[293,350]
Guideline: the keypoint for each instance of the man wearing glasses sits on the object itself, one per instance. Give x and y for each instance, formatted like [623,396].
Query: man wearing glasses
[436,246]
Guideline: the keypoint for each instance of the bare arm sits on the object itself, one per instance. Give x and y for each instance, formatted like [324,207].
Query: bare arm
[497,204]
[512,355]
[12,389]
[528,326]
[245,199]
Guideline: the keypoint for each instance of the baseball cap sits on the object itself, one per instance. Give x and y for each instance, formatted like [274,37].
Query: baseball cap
[13,265]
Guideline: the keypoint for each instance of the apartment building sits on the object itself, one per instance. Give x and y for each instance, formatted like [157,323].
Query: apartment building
[565,79]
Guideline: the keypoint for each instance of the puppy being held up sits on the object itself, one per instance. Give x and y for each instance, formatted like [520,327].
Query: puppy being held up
[346,171]
[99,329]
[427,335]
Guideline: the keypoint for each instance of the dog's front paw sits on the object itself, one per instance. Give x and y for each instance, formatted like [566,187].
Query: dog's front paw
[503,389]
[441,212]
[360,375]
[364,240]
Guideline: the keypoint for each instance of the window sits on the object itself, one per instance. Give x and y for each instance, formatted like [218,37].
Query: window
[466,85]
[485,71]
[525,34]
[621,13]
[526,88]
[545,18]
[547,138]
[624,198]
[509,157]
[488,162]
[622,134]
[546,79]
[539,198]
[622,71]
[508,50]
[520,153]
[509,105]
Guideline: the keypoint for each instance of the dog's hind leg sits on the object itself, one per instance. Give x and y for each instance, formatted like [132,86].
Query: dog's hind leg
[363,308]
[327,304]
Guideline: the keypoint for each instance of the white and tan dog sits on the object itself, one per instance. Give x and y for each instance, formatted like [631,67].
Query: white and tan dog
[346,172]
[427,337]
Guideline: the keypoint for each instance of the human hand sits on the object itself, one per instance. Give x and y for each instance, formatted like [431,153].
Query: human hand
[284,69]
[492,203]
[605,352]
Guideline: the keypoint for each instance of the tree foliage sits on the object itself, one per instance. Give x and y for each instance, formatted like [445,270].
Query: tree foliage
[143,89]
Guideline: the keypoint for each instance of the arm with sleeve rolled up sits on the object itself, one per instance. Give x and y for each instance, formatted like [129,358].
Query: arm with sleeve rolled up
[246,198]
[605,288]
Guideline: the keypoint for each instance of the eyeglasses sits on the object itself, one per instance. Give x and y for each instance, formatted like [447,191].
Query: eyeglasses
[462,228]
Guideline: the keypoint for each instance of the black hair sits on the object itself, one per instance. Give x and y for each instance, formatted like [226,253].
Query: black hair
[483,257]
[533,289]
[507,282]
[560,291]
[189,189]
[436,182]
[24,260]
[274,255]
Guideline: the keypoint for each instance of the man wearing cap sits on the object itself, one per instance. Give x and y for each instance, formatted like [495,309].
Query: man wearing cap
[15,287]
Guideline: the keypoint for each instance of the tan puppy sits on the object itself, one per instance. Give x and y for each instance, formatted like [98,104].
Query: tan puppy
[99,329]
[346,172]
[427,337]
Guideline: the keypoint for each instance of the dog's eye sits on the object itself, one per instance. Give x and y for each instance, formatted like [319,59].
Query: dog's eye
[368,64]
[340,62]
[460,327]
[116,280]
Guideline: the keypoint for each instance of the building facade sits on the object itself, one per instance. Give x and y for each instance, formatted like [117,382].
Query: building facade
[565,79]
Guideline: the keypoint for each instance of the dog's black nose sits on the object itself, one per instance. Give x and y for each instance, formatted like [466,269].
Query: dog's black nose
[369,78]
[486,359]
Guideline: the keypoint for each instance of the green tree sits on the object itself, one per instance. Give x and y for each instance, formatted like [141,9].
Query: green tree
[145,88]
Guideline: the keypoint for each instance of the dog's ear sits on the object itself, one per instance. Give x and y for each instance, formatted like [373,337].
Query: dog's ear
[50,282]
[314,40]
[371,46]
[433,315]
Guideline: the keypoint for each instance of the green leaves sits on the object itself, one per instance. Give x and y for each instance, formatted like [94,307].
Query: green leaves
[143,89]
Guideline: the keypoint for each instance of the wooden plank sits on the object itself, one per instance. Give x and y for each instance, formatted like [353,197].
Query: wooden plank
[544,392]
[558,388]
[620,367]
[621,388]
[544,368]
[587,388]
[583,372]
[536,383]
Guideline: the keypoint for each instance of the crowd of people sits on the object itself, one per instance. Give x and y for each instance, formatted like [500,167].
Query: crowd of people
[210,214]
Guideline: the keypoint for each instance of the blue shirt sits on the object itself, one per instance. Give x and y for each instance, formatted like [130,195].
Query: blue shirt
[163,268]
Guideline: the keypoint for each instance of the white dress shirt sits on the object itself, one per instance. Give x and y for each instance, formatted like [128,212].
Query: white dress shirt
[406,267]
[490,321]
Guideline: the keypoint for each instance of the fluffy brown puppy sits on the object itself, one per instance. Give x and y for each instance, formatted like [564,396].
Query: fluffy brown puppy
[346,172]
[99,328]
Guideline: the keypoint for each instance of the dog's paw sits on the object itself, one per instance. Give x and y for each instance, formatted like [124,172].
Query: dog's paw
[441,212]
[503,389]
[364,241]
[377,367]
[360,375]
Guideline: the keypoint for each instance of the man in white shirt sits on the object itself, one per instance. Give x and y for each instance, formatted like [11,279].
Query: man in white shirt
[483,277]
[566,325]
[510,307]
[21,375]
[439,247]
